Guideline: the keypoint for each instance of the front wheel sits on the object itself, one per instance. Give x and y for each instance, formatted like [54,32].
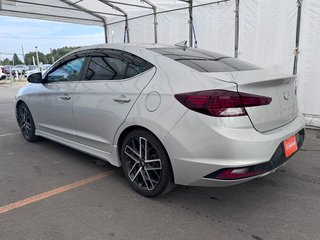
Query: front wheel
[26,123]
[146,164]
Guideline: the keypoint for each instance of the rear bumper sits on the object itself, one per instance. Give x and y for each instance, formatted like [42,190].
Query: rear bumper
[277,160]
[200,150]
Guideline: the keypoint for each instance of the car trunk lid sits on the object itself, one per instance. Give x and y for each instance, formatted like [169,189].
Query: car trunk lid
[281,88]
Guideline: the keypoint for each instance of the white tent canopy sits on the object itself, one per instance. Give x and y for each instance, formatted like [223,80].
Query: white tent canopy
[267,33]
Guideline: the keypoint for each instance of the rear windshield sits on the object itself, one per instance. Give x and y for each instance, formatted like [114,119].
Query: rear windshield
[205,61]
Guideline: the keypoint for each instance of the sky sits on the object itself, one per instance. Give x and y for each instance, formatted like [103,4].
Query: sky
[18,32]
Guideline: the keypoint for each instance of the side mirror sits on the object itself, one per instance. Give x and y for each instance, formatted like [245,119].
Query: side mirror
[35,78]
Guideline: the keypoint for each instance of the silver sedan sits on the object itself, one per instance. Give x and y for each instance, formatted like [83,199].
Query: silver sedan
[167,114]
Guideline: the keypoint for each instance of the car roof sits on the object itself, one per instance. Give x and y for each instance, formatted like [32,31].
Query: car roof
[120,45]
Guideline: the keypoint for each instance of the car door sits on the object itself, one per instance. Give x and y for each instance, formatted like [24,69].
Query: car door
[54,103]
[111,84]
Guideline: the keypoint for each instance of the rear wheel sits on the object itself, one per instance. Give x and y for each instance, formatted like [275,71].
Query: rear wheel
[146,164]
[26,123]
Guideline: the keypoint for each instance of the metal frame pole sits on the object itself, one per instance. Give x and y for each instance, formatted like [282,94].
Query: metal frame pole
[103,19]
[155,24]
[105,28]
[126,28]
[128,4]
[171,10]
[190,8]
[296,50]
[237,20]
[155,21]
[190,23]
[60,7]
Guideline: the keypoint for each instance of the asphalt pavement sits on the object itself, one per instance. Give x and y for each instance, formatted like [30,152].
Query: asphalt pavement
[283,205]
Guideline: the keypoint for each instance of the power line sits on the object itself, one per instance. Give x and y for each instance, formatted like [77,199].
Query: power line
[9,53]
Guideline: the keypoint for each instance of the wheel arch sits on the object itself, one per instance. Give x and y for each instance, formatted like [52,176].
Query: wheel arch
[18,104]
[129,129]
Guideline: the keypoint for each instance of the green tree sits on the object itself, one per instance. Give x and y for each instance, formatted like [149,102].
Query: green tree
[47,58]
[60,52]
[16,59]
[28,58]
[6,61]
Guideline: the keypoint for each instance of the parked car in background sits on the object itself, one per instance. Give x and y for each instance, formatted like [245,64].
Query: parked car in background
[166,114]
[20,69]
[35,69]
[2,73]
[32,69]
[7,69]
[45,67]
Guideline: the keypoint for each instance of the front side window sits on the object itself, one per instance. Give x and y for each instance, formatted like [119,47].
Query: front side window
[69,71]
[115,65]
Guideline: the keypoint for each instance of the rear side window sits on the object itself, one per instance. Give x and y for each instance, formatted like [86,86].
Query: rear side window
[205,61]
[115,65]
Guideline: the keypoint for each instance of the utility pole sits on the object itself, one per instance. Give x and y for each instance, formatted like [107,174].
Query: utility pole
[52,57]
[37,58]
[23,60]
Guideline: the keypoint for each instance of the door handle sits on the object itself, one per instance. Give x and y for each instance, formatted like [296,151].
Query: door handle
[122,99]
[65,97]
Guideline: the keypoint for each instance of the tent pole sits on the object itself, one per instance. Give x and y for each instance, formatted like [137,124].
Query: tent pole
[155,25]
[190,23]
[128,4]
[59,7]
[126,27]
[105,27]
[296,50]
[103,19]
[171,10]
[155,22]
[236,44]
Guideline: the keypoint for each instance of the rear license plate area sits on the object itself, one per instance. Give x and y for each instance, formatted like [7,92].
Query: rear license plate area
[290,146]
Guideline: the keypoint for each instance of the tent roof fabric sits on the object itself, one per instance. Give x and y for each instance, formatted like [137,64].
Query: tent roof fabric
[92,12]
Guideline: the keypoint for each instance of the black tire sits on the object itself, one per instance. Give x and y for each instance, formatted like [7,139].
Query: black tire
[150,174]
[25,122]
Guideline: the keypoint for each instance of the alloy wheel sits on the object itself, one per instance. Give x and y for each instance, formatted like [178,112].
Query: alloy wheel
[143,163]
[25,122]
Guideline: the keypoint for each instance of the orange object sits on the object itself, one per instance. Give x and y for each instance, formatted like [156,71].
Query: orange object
[53,192]
[290,146]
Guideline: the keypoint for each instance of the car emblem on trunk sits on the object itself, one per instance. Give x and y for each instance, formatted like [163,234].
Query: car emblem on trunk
[286,95]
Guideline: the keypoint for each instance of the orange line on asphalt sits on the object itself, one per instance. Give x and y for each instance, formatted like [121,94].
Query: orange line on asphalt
[53,192]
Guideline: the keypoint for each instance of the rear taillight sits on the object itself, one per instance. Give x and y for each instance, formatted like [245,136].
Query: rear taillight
[221,103]
[2,69]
